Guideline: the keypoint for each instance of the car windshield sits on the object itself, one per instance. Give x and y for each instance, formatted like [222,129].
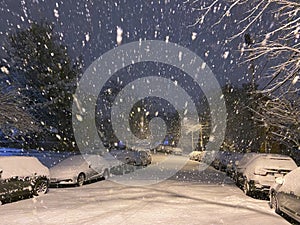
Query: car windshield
[275,163]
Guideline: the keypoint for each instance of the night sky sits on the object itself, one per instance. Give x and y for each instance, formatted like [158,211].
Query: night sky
[89,29]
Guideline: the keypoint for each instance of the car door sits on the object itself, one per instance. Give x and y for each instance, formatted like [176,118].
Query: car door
[13,188]
[294,203]
[293,198]
[289,195]
[95,166]
[4,190]
[22,186]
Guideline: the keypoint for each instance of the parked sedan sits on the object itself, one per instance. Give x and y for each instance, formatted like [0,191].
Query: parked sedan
[222,160]
[21,177]
[285,195]
[132,157]
[196,155]
[78,170]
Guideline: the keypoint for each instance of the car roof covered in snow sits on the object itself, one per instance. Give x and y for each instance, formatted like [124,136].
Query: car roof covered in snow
[272,161]
[21,166]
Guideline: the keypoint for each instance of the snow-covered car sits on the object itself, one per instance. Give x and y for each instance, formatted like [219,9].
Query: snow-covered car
[262,170]
[209,156]
[168,149]
[79,169]
[22,176]
[145,157]
[132,157]
[231,164]
[240,165]
[222,160]
[196,155]
[285,194]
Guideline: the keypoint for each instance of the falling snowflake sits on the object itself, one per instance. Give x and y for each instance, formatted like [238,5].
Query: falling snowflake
[194,35]
[56,14]
[119,35]
[4,70]
[226,54]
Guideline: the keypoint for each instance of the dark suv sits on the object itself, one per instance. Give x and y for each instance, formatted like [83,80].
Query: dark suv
[21,177]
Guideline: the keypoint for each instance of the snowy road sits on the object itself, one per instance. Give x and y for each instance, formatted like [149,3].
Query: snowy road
[190,197]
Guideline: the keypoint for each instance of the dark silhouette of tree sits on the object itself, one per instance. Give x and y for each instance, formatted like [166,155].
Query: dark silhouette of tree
[12,115]
[242,130]
[47,77]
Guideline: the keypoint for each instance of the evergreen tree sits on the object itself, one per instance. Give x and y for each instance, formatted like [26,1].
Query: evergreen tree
[47,78]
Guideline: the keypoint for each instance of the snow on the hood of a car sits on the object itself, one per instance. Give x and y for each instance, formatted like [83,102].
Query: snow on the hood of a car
[21,166]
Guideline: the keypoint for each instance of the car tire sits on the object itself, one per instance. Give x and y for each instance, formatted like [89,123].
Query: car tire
[80,179]
[246,187]
[274,202]
[106,174]
[40,187]
[236,179]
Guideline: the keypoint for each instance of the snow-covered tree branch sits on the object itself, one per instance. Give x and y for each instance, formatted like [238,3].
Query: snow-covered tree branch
[278,45]
[281,118]
[12,115]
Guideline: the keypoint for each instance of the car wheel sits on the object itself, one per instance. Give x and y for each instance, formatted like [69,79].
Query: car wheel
[236,180]
[246,187]
[274,202]
[106,174]
[137,163]
[127,161]
[80,179]
[41,187]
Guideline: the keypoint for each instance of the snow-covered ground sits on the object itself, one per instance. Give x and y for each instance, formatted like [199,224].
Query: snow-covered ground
[189,197]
